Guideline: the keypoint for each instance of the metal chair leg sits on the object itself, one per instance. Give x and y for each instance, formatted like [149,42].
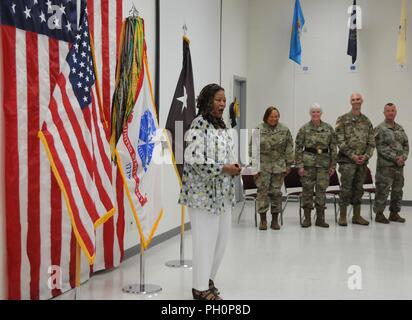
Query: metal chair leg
[241,211]
[300,210]
[281,218]
[283,210]
[255,215]
[286,203]
[370,205]
[336,213]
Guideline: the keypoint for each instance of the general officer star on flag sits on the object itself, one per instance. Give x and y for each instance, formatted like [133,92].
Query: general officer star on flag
[183,109]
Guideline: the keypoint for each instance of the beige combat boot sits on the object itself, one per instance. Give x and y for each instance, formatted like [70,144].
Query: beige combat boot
[320,219]
[380,218]
[274,225]
[263,223]
[395,217]
[342,216]
[357,218]
[307,221]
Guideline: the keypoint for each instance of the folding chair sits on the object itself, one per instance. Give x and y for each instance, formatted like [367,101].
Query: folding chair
[248,183]
[292,180]
[369,188]
[334,190]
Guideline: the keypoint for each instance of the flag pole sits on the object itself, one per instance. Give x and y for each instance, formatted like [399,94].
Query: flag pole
[77,276]
[182,231]
[142,288]
[182,263]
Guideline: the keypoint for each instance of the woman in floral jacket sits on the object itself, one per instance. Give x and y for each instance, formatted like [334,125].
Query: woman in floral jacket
[208,188]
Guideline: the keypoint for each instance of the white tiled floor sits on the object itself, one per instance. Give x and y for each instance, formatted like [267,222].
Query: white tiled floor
[292,263]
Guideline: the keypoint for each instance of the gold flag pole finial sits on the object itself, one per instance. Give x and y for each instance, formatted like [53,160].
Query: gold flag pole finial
[185,37]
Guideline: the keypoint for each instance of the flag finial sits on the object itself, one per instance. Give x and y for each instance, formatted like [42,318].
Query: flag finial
[133,12]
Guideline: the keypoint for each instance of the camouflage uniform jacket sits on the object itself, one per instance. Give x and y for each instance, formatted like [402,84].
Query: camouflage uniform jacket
[316,138]
[390,144]
[204,186]
[275,148]
[355,136]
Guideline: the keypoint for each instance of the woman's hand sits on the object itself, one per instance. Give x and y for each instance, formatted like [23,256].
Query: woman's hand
[232,169]
[301,172]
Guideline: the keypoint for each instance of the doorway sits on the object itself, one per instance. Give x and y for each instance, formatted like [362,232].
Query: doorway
[239,93]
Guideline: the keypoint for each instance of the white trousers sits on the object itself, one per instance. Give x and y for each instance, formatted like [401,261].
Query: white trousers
[210,234]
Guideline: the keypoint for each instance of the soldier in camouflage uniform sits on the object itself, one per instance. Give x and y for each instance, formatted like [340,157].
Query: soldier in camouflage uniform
[356,143]
[393,148]
[275,150]
[315,156]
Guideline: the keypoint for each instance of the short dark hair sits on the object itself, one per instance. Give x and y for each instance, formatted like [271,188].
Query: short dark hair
[268,113]
[389,104]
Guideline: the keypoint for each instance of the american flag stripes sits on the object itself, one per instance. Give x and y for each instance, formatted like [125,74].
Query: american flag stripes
[105,22]
[37,235]
[38,228]
[77,146]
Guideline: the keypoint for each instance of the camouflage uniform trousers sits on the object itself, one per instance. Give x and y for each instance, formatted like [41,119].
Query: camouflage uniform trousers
[389,179]
[269,187]
[317,178]
[352,177]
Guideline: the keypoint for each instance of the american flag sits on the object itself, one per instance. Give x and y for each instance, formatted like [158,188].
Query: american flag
[105,23]
[76,143]
[38,229]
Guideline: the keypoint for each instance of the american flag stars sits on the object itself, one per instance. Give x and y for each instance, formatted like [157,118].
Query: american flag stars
[51,18]
[81,67]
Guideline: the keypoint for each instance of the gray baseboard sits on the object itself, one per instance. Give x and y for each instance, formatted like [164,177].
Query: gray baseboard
[131,252]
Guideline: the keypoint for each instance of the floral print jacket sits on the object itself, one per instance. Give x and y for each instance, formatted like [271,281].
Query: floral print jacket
[204,185]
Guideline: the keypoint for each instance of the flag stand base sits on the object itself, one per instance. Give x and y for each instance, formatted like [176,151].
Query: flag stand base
[143,289]
[76,293]
[179,264]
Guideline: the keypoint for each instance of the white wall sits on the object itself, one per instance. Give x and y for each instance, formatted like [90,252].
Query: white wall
[2,202]
[202,18]
[274,79]
[235,24]
[269,72]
